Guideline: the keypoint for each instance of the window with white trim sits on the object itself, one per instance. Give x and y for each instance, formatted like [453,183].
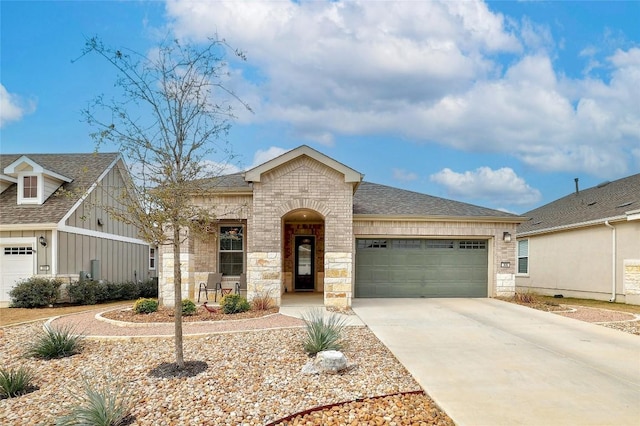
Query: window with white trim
[231,250]
[523,256]
[152,258]
[30,187]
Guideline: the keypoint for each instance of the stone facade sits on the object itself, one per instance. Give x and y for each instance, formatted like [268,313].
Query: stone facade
[308,194]
[631,281]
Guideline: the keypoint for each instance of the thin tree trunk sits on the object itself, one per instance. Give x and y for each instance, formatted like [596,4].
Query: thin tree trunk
[177,288]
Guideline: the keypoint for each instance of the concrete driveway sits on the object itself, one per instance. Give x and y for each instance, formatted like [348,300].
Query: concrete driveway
[488,362]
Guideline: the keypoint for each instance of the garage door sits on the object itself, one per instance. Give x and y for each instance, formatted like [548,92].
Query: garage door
[16,263]
[421,268]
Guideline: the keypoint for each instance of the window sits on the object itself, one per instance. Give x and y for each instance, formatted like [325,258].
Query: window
[12,251]
[231,252]
[439,244]
[523,256]
[473,245]
[152,258]
[372,244]
[30,187]
[406,244]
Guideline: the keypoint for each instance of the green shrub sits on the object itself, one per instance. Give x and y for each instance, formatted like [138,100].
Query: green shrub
[145,306]
[106,405]
[55,343]
[322,332]
[15,382]
[188,307]
[234,303]
[149,288]
[35,292]
[88,292]
[129,290]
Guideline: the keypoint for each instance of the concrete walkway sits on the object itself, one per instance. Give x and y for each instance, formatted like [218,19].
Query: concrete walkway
[488,362]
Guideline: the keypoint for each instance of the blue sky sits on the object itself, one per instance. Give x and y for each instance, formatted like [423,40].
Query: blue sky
[499,104]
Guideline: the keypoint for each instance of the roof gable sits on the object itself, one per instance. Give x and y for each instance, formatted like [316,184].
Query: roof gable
[81,170]
[26,164]
[350,175]
[617,200]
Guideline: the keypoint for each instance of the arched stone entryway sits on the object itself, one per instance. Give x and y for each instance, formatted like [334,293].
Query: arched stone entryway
[303,245]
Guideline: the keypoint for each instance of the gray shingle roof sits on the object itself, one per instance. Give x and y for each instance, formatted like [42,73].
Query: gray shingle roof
[375,199]
[84,169]
[605,201]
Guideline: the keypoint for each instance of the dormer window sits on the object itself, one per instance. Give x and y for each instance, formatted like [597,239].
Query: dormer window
[29,190]
[30,187]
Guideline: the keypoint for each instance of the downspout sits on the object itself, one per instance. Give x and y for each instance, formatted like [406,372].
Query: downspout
[613,260]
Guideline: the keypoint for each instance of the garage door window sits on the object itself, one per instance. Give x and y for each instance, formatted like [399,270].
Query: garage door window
[440,244]
[406,244]
[473,245]
[18,251]
[372,244]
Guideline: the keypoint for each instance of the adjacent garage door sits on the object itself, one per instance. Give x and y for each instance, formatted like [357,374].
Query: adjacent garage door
[16,263]
[421,268]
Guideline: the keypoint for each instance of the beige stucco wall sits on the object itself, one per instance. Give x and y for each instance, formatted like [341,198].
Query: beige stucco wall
[578,263]
[501,280]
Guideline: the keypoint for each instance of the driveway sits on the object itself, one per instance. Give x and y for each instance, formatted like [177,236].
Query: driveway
[489,362]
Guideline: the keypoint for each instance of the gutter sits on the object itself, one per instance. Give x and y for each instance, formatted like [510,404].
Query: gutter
[571,226]
[613,260]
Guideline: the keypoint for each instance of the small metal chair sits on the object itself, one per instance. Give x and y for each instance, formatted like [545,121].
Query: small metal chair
[242,284]
[214,283]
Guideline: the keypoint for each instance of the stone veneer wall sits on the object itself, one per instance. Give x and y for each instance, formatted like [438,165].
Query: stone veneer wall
[301,183]
[631,280]
[501,279]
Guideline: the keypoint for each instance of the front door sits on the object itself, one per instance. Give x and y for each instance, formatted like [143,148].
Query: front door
[305,259]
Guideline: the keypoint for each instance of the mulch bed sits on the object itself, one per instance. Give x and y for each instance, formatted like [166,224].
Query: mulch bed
[167,315]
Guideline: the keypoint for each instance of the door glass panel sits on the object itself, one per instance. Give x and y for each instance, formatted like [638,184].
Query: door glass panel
[304,258]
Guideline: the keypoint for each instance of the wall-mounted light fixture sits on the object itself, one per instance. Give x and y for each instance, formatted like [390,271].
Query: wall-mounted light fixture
[100,222]
[506,237]
[43,241]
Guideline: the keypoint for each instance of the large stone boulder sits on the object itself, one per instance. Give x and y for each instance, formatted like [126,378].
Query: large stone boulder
[331,362]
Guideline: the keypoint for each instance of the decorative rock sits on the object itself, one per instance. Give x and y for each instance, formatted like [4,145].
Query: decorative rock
[330,362]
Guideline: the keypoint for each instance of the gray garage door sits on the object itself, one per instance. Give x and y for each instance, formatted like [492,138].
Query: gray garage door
[421,268]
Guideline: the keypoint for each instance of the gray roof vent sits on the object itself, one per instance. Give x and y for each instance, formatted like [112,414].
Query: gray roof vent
[624,204]
[603,184]
[592,203]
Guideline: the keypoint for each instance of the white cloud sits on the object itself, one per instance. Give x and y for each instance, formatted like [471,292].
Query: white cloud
[428,72]
[404,175]
[502,186]
[13,107]
[262,156]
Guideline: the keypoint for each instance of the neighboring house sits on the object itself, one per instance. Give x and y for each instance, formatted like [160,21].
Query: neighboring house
[586,244]
[43,232]
[304,222]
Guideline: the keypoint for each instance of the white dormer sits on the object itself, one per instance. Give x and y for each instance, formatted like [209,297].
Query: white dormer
[35,183]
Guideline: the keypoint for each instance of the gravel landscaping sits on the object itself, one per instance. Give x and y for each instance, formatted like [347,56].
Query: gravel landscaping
[251,378]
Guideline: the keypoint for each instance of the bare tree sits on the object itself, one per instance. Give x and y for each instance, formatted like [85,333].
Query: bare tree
[171,117]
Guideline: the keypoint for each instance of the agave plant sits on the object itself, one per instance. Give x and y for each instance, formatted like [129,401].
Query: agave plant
[100,405]
[15,382]
[55,343]
[322,332]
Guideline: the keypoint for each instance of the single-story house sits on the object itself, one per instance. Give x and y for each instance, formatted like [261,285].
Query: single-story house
[586,244]
[304,222]
[45,233]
